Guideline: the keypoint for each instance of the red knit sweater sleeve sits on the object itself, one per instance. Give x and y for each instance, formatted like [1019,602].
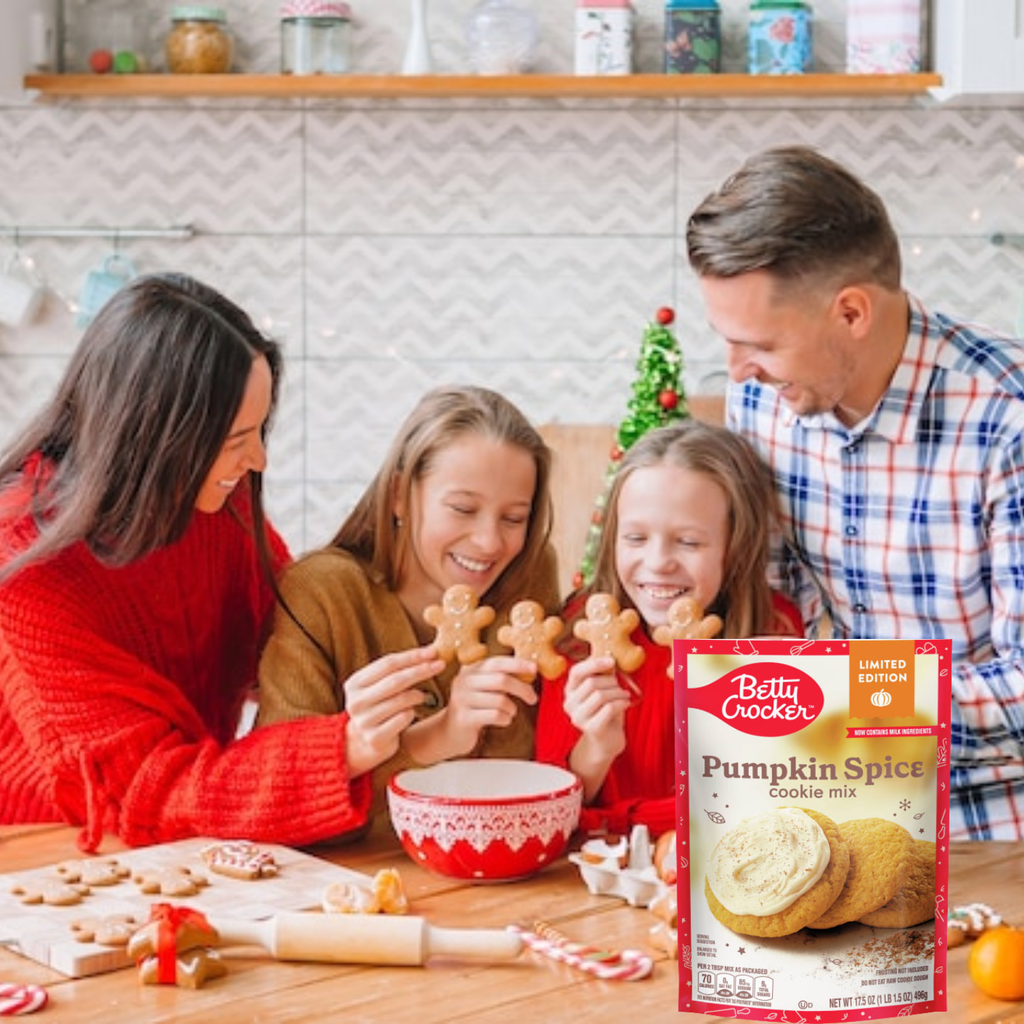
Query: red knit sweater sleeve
[556,735]
[115,721]
[125,752]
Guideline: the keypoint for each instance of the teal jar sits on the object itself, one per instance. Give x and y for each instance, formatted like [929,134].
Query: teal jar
[779,39]
[693,37]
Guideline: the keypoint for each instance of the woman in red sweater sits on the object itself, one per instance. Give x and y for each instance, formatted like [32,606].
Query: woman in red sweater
[136,583]
[688,515]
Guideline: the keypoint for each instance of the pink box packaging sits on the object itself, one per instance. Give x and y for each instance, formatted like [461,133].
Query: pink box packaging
[883,37]
[812,837]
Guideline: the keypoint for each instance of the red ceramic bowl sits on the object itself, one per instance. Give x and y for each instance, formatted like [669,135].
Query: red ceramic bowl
[486,820]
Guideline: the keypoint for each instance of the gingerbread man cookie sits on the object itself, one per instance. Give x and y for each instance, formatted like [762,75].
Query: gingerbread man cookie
[686,621]
[172,948]
[52,892]
[113,930]
[192,969]
[607,630]
[180,881]
[458,620]
[100,871]
[532,636]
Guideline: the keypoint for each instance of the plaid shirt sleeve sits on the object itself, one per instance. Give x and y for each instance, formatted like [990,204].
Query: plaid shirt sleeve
[911,525]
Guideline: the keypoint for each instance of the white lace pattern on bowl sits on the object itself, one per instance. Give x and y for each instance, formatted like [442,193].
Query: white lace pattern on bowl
[481,825]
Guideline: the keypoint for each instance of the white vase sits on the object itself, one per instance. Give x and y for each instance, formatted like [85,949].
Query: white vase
[417,53]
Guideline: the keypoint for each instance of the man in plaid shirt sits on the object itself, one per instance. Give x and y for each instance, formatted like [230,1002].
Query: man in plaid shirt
[896,436]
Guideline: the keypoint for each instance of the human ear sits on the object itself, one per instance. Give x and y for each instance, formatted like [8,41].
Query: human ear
[853,306]
[398,505]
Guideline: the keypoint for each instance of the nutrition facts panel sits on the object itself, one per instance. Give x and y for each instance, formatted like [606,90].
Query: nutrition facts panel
[728,985]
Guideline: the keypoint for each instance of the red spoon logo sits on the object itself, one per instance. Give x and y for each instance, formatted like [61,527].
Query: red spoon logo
[763,698]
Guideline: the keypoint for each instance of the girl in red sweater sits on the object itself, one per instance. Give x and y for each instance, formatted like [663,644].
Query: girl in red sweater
[136,584]
[689,514]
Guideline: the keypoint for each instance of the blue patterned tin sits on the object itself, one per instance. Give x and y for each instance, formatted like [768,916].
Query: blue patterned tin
[779,40]
[693,37]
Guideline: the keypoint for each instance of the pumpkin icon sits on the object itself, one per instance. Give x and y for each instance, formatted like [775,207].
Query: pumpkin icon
[881,699]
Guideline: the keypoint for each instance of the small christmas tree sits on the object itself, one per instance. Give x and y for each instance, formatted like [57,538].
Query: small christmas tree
[658,398]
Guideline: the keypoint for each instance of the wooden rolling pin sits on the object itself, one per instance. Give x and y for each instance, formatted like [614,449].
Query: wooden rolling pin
[365,938]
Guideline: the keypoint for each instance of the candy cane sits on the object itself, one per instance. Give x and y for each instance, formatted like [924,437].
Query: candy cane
[18,999]
[629,965]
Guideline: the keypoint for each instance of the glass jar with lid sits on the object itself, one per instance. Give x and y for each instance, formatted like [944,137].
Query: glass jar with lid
[315,37]
[108,39]
[199,42]
[501,37]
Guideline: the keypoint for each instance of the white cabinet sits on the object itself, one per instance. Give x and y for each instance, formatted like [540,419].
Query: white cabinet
[978,46]
[28,42]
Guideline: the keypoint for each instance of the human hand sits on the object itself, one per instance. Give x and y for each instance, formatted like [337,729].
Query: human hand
[381,701]
[595,701]
[481,695]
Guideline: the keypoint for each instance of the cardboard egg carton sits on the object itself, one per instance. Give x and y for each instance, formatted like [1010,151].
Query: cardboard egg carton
[624,868]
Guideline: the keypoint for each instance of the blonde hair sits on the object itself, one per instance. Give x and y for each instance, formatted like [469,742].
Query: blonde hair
[744,601]
[443,416]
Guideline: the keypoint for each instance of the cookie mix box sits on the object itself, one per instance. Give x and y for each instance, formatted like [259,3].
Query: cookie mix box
[813,827]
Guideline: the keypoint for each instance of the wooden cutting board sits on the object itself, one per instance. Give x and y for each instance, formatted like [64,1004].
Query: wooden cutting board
[43,933]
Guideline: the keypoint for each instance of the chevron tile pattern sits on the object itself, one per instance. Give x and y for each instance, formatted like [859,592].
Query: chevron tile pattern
[391,247]
[547,172]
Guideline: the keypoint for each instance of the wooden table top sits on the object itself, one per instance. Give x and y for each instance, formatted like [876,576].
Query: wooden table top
[531,988]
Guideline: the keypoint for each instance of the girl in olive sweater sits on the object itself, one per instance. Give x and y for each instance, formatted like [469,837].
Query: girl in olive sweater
[461,498]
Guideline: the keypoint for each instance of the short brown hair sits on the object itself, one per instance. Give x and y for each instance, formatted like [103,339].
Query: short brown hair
[798,215]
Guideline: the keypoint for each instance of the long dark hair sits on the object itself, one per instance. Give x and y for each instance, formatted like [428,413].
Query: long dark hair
[137,421]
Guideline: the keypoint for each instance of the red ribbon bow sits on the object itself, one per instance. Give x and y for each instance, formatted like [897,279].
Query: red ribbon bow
[170,920]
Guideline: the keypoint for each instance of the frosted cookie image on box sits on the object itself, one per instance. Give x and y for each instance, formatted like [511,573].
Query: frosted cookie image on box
[792,868]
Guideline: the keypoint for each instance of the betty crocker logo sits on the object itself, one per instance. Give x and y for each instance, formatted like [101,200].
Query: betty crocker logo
[762,699]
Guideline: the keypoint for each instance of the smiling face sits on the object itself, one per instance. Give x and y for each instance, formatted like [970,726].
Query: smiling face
[468,518]
[671,538]
[807,345]
[243,450]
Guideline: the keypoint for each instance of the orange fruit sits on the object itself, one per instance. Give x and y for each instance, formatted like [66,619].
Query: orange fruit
[996,963]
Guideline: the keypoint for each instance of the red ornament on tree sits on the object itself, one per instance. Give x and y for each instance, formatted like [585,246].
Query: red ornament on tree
[665,316]
[668,399]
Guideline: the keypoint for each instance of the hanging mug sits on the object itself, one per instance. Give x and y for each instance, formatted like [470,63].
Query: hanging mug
[101,285]
[21,292]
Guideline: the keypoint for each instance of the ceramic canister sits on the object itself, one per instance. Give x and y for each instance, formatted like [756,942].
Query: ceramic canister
[883,37]
[779,39]
[604,37]
[693,37]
